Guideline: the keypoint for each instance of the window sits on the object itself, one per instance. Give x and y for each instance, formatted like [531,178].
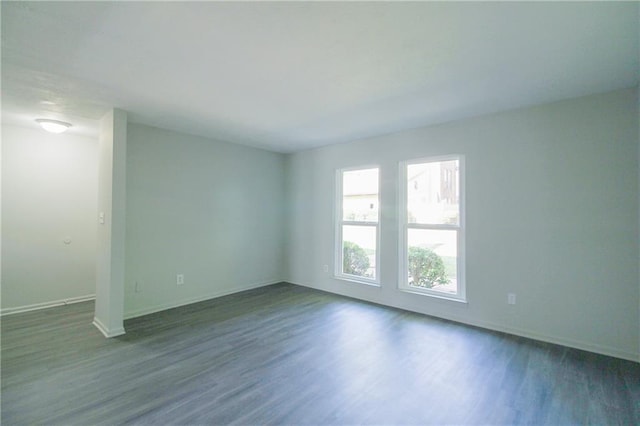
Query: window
[432,227]
[357,230]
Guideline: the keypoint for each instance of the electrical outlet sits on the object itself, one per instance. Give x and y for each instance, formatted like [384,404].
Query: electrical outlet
[511,298]
[136,287]
[325,268]
[180,279]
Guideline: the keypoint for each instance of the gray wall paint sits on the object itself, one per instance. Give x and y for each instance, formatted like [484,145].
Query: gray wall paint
[48,193]
[552,215]
[212,211]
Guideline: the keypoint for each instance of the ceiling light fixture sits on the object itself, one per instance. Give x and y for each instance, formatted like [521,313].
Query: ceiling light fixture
[53,126]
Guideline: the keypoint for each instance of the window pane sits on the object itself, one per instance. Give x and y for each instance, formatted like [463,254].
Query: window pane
[432,259]
[433,193]
[360,195]
[359,250]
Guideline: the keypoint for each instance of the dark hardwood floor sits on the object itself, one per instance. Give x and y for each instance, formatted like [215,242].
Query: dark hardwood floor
[284,354]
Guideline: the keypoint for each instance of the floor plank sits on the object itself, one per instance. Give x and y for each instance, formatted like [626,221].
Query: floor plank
[285,354]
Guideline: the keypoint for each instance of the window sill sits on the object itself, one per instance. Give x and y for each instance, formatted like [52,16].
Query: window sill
[443,296]
[357,281]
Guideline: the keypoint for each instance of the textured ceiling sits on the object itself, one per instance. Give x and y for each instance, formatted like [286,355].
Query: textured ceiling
[292,76]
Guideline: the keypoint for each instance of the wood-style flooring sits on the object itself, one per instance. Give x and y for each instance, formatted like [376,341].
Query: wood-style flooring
[285,354]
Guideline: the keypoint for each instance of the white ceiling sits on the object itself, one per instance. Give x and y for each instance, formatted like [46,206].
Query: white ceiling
[291,76]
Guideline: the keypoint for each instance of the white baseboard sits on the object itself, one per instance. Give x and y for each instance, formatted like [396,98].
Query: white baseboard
[571,343]
[105,330]
[165,306]
[46,305]
[576,344]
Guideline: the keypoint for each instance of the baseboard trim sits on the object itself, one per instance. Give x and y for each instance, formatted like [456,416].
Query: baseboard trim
[46,305]
[556,340]
[105,331]
[576,344]
[165,306]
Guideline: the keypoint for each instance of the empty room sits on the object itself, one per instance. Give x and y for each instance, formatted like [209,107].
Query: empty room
[320,213]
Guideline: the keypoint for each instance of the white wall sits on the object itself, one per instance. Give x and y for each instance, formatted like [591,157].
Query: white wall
[48,194]
[552,215]
[111,223]
[209,210]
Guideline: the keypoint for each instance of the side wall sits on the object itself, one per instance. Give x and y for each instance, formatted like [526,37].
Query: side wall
[48,196]
[211,211]
[552,215]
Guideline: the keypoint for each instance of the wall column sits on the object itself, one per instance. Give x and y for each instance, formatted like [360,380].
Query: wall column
[111,224]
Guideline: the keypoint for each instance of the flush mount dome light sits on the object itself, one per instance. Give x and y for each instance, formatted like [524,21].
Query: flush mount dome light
[53,126]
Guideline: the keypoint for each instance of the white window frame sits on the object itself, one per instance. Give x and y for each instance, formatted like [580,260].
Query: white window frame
[340,222]
[403,219]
